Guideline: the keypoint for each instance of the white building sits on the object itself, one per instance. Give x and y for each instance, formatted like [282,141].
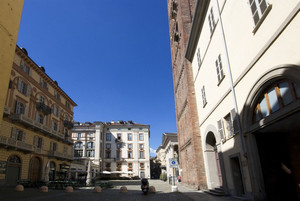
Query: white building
[87,138]
[246,72]
[126,148]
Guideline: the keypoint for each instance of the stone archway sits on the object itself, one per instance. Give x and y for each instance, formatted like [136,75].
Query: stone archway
[212,162]
[35,170]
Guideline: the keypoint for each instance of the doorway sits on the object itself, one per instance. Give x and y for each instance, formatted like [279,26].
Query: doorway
[13,172]
[35,170]
[215,178]
[237,175]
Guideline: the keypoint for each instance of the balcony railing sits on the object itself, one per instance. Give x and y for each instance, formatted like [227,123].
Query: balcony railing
[68,124]
[23,119]
[60,155]
[6,110]
[16,144]
[43,108]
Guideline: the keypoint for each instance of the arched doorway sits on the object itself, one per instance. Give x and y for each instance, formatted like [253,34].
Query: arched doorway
[213,162]
[13,172]
[271,122]
[52,171]
[35,170]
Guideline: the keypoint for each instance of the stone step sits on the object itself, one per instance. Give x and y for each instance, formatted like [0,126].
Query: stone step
[216,192]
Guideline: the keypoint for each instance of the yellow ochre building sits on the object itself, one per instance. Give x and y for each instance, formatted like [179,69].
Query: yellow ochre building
[35,134]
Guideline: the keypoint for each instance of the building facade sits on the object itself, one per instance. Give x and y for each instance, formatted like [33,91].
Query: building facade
[126,148]
[36,128]
[119,148]
[181,14]
[8,39]
[245,71]
[88,143]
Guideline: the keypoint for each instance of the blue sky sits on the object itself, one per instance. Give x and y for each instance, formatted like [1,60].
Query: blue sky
[112,57]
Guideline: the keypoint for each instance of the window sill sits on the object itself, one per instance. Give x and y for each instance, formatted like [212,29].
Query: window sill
[262,19]
[219,83]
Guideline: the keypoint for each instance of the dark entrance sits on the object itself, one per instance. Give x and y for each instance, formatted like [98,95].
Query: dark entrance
[35,170]
[278,147]
[13,170]
[52,171]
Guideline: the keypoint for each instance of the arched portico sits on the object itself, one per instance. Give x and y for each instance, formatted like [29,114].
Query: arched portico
[270,120]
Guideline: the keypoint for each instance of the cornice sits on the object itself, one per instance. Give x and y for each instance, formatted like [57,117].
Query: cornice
[196,28]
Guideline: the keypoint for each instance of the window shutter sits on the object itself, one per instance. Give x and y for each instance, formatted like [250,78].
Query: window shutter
[28,90]
[42,144]
[221,129]
[51,146]
[19,84]
[36,141]
[26,110]
[234,121]
[13,133]
[24,136]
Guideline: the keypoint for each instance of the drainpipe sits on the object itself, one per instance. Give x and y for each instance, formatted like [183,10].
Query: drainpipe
[231,82]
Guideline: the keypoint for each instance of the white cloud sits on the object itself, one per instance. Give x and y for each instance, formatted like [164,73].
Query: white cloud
[152,152]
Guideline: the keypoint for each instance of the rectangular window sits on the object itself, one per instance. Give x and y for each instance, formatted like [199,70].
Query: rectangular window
[142,165]
[141,137]
[56,95]
[258,8]
[119,136]
[18,134]
[78,136]
[219,68]
[108,146]
[24,67]
[129,165]
[204,102]
[229,125]
[118,153]
[129,154]
[141,146]
[108,136]
[53,146]
[90,153]
[198,57]
[20,109]
[78,153]
[55,110]
[129,137]
[119,145]
[107,154]
[43,84]
[142,154]
[129,146]
[211,21]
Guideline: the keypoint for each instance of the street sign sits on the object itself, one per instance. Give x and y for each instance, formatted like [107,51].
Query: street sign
[173,163]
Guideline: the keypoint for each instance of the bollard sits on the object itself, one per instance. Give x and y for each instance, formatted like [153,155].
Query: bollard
[44,189]
[19,188]
[152,189]
[123,189]
[69,189]
[97,189]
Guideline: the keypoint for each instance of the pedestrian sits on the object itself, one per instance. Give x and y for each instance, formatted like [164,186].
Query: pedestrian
[179,178]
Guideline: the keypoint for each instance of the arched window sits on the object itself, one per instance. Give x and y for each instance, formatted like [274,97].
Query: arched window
[78,145]
[14,159]
[275,98]
[90,145]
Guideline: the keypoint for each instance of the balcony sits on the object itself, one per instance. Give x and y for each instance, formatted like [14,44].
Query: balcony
[43,108]
[68,140]
[6,111]
[59,155]
[119,159]
[28,122]
[68,124]
[16,144]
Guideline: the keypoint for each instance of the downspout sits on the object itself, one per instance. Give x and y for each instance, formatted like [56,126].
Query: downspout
[231,83]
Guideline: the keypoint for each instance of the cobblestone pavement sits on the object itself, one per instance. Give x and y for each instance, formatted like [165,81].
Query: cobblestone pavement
[134,194]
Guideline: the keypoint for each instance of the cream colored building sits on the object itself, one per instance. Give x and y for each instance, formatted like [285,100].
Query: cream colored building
[246,72]
[36,127]
[88,143]
[126,148]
